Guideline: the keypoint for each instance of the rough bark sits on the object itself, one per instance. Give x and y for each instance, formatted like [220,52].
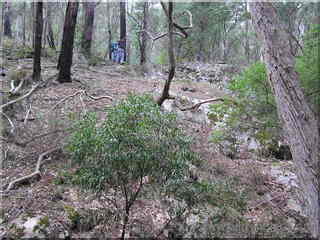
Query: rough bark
[50,36]
[38,37]
[24,24]
[87,33]
[300,122]
[145,40]
[165,93]
[66,54]
[109,29]
[7,20]
[123,26]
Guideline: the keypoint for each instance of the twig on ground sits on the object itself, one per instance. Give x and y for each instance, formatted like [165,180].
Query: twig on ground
[196,106]
[79,92]
[36,173]
[98,98]
[64,99]
[27,115]
[20,98]
[9,120]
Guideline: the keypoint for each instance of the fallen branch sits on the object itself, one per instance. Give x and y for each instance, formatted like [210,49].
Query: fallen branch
[27,115]
[35,174]
[66,98]
[15,89]
[9,120]
[75,94]
[20,98]
[98,98]
[196,106]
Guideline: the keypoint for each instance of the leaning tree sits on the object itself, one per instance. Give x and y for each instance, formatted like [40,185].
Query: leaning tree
[300,121]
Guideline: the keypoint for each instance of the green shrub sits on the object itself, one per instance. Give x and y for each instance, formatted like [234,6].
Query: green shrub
[308,65]
[136,140]
[136,145]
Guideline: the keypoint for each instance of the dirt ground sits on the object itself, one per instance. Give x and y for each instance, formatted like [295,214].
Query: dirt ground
[54,108]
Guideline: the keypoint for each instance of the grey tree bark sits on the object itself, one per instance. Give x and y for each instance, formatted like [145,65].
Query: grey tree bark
[299,120]
[66,54]
[38,40]
[89,9]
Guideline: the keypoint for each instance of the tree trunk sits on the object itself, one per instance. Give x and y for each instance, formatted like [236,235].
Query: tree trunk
[7,21]
[24,24]
[50,36]
[109,30]
[87,28]
[33,23]
[165,93]
[38,35]
[247,44]
[300,122]
[66,54]
[123,26]
[145,47]
[45,22]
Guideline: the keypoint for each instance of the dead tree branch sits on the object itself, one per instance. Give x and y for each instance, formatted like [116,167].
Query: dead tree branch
[9,120]
[35,174]
[196,106]
[77,93]
[20,98]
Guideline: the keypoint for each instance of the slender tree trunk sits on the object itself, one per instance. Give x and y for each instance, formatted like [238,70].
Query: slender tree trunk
[165,93]
[38,35]
[88,28]
[45,20]
[33,23]
[66,54]
[109,29]
[50,36]
[7,20]
[247,44]
[300,122]
[123,26]
[145,48]
[24,24]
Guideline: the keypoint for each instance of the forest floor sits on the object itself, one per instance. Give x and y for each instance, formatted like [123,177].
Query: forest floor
[53,110]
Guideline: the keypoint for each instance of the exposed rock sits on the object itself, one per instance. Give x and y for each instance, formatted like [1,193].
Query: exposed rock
[32,227]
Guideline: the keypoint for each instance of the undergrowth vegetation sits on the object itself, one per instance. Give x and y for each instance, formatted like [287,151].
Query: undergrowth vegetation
[252,108]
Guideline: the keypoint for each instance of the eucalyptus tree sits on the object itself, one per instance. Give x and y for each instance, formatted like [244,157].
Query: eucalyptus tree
[66,54]
[7,31]
[301,123]
[38,42]
[123,26]
[89,9]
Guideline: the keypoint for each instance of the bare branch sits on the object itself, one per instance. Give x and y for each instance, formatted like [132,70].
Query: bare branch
[9,120]
[196,106]
[98,98]
[15,89]
[35,174]
[20,98]
[27,115]
[66,98]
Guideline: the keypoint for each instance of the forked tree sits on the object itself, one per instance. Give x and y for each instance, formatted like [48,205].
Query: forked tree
[300,121]
[66,54]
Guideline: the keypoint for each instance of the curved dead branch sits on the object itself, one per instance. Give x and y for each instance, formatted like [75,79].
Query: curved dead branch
[77,93]
[196,106]
[20,98]
[35,174]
